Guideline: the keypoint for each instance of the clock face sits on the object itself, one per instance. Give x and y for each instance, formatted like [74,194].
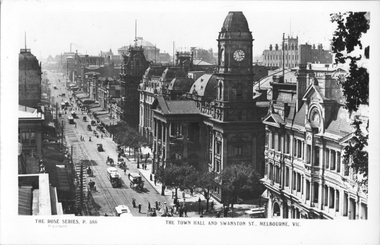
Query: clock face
[239,55]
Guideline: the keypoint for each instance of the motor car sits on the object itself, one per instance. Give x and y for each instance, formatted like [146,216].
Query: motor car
[89,128]
[123,211]
[258,212]
[93,123]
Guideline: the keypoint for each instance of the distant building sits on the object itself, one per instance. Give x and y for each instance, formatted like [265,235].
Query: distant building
[29,79]
[293,54]
[151,52]
[307,128]
[132,70]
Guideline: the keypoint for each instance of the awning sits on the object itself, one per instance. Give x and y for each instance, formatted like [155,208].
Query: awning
[106,120]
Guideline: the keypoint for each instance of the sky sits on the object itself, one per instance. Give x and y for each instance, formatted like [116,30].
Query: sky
[52,27]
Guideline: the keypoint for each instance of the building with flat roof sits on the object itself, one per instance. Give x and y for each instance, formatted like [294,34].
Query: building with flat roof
[29,79]
[290,54]
[30,130]
[36,196]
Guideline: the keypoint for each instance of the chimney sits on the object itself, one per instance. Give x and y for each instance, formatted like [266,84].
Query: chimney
[302,80]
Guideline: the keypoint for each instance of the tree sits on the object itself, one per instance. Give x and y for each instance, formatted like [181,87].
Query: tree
[127,136]
[238,179]
[347,46]
[175,176]
[206,181]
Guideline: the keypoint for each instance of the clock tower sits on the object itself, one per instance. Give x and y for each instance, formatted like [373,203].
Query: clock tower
[235,45]
[234,100]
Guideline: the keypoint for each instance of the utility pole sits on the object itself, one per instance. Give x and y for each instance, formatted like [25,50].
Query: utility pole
[81,187]
[283,57]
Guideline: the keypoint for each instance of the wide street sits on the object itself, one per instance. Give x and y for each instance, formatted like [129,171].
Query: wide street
[106,198]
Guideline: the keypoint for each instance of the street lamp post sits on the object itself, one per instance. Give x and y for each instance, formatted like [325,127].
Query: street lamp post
[62,136]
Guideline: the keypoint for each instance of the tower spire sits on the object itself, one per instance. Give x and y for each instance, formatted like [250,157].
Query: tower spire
[25,41]
[135,32]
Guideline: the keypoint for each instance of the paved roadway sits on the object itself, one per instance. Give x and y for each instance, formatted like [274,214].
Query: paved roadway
[105,196]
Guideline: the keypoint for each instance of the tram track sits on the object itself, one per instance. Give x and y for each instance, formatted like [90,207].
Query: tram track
[104,190]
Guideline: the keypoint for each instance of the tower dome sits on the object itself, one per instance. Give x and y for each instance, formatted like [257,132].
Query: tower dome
[235,21]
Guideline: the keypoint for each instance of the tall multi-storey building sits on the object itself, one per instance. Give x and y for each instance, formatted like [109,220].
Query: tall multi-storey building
[307,128]
[29,79]
[218,121]
[133,68]
[290,54]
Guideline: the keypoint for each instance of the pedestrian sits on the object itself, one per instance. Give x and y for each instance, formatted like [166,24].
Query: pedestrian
[155,180]
[157,205]
[149,207]
[125,170]
[140,207]
[180,211]
[199,205]
[212,204]
[218,214]
[134,202]
[172,211]
[185,211]
[177,205]
[191,191]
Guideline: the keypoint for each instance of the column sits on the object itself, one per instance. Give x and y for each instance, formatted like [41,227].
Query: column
[330,158]
[291,145]
[283,163]
[162,128]
[341,202]
[269,208]
[320,197]
[213,151]
[167,140]
[320,157]
[304,189]
[223,156]
[185,136]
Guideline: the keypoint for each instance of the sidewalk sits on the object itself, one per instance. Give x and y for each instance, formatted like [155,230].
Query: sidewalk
[191,201]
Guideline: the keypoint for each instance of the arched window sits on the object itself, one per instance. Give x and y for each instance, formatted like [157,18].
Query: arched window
[220,90]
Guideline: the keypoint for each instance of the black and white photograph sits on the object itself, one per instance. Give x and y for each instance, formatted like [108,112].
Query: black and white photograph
[189,122]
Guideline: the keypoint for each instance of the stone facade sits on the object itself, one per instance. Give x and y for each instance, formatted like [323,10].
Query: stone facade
[218,121]
[306,131]
[29,79]
[294,54]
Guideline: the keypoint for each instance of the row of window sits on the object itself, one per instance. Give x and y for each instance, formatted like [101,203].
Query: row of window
[27,137]
[279,57]
[331,197]
[332,158]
